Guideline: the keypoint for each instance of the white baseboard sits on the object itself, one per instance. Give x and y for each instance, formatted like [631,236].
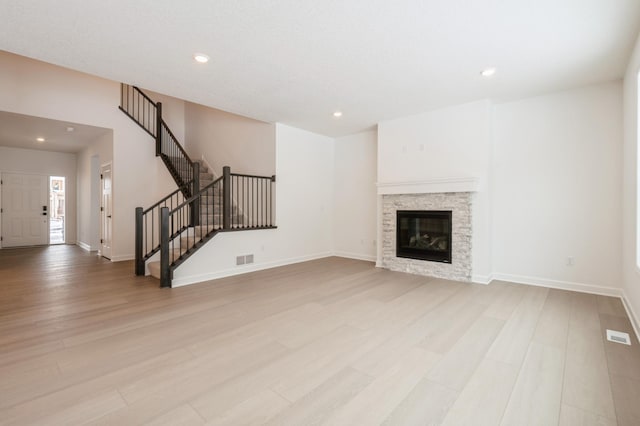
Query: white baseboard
[560,285]
[122,258]
[482,279]
[633,317]
[194,279]
[85,246]
[357,256]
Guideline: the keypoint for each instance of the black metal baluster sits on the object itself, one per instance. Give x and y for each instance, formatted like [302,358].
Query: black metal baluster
[153,226]
[146,231]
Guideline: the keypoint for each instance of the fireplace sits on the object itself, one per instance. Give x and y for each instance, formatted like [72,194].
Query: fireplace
[424,235]
[459,265]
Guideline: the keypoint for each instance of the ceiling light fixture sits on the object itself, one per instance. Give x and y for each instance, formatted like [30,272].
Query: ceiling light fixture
[70,129]
[488,72]
[201,58]
[40,139]
[337,114]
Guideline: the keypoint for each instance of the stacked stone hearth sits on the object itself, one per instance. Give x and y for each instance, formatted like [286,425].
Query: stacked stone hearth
[461,207]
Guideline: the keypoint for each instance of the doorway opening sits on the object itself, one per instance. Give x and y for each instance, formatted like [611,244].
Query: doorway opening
[105,211]
[56,210]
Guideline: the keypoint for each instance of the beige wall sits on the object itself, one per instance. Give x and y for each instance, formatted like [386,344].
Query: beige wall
[224,139]
[89,160]
[139,178]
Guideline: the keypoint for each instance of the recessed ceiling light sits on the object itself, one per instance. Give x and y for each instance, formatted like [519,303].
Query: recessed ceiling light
[70,129]
[337,114]
[40,139]
[201,58]
[488,72]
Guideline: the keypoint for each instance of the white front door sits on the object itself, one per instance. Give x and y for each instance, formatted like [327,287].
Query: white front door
[106,211]
[25,219]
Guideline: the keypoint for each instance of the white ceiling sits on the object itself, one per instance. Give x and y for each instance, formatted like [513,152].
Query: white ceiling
[296,61]
[21,131]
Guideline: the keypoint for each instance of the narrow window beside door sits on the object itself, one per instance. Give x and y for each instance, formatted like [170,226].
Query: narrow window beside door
[56,210]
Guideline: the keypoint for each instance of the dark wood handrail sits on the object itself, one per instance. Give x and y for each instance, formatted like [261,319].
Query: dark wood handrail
[161,201]
[144,95]
[272,178]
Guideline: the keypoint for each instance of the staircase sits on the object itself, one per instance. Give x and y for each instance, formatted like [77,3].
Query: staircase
[181,223]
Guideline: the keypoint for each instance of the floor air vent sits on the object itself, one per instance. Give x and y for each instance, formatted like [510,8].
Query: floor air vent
[618,337]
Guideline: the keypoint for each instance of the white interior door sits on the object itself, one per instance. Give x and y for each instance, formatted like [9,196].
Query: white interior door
[106,211]
[25,219]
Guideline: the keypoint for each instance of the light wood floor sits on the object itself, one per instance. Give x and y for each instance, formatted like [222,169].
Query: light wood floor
[332,341]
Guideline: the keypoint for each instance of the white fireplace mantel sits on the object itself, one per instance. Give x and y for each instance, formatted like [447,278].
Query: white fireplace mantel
[454,184]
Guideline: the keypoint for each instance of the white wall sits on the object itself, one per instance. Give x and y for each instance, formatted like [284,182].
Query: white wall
[447,143]
[225,139]
[631,229]
[31,161]
[304,214]
[89,161]
[355,198]
[139,178]
[557,189]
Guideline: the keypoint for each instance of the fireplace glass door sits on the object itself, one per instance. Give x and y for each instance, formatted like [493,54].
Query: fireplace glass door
[424,235]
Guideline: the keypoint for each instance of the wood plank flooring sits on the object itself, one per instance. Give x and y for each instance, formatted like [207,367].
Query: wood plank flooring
[332,341]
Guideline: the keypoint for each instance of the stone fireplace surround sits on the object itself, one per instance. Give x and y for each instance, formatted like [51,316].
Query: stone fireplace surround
[443,194]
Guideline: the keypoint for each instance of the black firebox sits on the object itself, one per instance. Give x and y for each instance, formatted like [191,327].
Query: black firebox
[424,235]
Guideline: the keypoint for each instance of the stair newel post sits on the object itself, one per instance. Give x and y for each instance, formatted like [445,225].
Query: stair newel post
[158,128]
[165,278]
[226,197]
[271,212]
[139,237]
[195,205]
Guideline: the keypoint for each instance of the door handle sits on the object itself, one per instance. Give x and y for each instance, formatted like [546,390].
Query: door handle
[44,214]
[109,216]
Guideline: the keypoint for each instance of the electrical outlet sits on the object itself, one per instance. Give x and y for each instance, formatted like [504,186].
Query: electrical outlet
[240,260]
[570,261]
